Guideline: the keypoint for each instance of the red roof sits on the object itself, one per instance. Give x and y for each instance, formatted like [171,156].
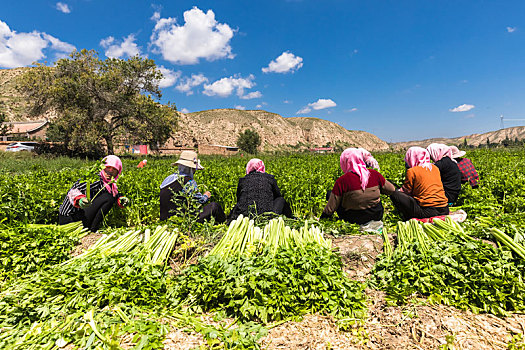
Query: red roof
[322,149]
[27,127]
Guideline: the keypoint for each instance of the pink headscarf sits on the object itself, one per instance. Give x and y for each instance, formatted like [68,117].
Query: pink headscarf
[116,163]
[369,159]
[418,156]
[255,164]
[351,160]
[438,150]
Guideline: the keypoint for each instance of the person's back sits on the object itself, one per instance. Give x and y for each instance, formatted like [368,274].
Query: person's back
[425,186]
[256,190]
[348,186]
[170,197]
[450,177]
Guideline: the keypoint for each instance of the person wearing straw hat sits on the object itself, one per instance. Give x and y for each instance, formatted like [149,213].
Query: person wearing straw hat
[174,188]
[468,171]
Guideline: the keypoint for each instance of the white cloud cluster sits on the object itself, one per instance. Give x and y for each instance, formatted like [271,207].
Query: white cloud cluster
[185,110]
[285,63]
[242,108]
[319,104]
[188,83]
[462,108]
[126,48]
[62,7]
[251,95]
[354,109]
[201,36]
[22,49]
[226,86]
[169,77]
[511,29]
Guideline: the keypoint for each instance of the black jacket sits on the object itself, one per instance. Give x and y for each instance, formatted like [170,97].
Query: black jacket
[450,177]
[255,194]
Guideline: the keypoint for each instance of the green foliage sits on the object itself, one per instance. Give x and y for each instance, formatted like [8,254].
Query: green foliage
[100,101]
[26,249]
[468,275]
[4,128]
[266,287]
[81,285]
[249,140]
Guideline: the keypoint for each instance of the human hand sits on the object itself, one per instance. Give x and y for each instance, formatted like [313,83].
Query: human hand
[84,203]
[207,194]
[124,201]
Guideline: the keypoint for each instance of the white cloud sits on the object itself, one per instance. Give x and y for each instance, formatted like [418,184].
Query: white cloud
[156,16]
[286,102]
[242,108]
[188,83]
[462,108]
[511,29]
[254,94]
[62,7]
[22,49]
[185,111]
[351,110]
[201,36]
[126,48]
[169,77]
[319,104]
[258,106]
[226,86]
[285,63]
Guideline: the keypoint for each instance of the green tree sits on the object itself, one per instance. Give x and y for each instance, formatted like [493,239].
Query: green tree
[100,102]
[248,141]
[5,127]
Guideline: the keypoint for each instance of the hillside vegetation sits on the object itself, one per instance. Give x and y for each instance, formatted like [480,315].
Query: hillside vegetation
[222,126]
[517,132]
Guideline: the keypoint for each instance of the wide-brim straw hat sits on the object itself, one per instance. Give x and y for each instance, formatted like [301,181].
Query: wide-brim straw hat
[189,159]
[456,153]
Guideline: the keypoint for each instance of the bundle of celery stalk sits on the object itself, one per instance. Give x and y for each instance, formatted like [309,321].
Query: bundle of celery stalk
[155,247]
[243,237]
[422,233]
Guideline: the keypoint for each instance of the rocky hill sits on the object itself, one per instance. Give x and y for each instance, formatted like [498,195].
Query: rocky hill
[11,103]
[473,140]
[222,126]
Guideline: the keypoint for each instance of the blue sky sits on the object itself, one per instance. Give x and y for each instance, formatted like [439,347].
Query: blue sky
[403,70]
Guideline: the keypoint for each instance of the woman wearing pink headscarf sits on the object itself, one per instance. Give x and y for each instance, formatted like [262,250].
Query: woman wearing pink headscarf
[258,193]
[450,174]
[104,193]
[356,195]
[422,194]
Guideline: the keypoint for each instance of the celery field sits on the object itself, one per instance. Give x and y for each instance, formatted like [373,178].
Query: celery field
[139,281]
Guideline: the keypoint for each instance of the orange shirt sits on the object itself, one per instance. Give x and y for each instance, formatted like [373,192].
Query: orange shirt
[425,186]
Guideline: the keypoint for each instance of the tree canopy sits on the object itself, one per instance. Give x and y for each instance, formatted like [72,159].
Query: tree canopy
[4,126]
[100,102]
[249,141]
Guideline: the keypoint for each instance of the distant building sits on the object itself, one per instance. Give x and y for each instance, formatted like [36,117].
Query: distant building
[322,150]
[31,130]
[218,149]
